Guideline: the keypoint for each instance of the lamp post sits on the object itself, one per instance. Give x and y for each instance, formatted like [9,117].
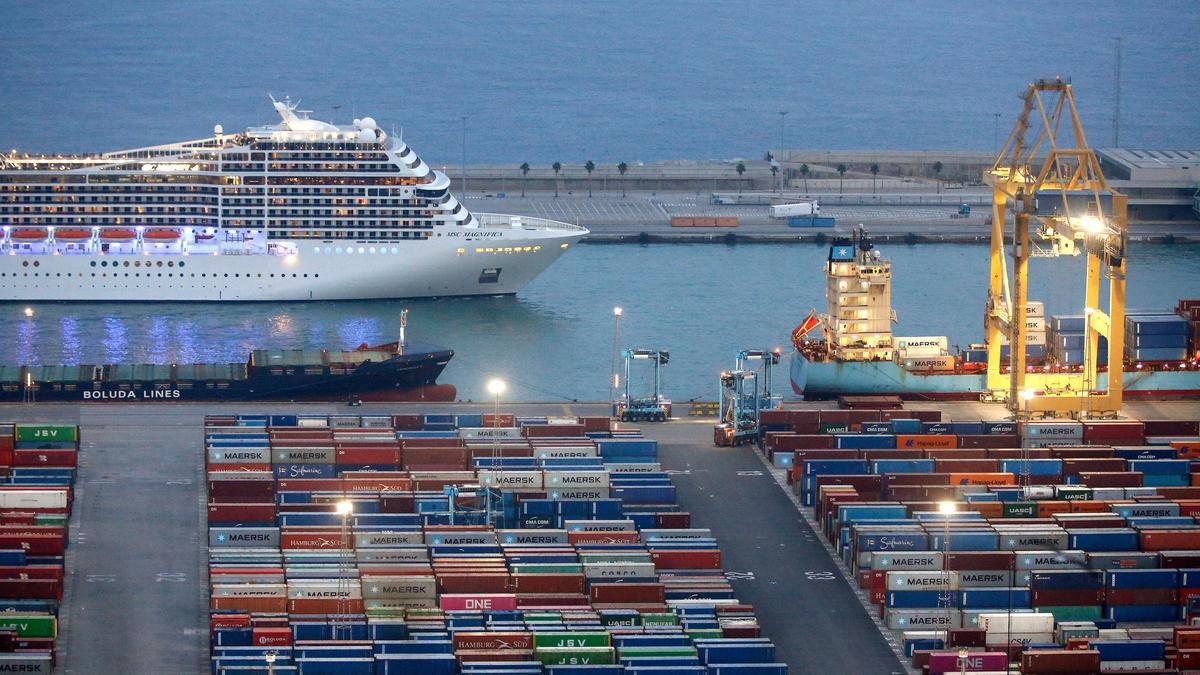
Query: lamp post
[615,379]
[947,509]
[495,387]
[344,508]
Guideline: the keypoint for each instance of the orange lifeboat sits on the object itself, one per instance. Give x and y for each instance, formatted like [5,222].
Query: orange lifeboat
[29,234]
[117,234]
[160,234]
[72,234]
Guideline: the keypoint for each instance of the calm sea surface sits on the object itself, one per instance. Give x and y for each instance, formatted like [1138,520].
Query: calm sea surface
[553,341]
[612,81]
[625,80]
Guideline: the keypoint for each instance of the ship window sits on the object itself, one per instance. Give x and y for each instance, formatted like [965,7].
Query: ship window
[25,263]
[339,250]
[159,263]
[227,275]
[181,263]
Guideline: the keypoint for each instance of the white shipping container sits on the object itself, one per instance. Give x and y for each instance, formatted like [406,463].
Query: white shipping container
[1035,338]
[805,208]
[579,493]
[633,467]
[243,537]
[998,622]
[600,526]
[618,570]
[408,554]
[984,578]
[511,480]
[325,455]
[907,619]
[1055,540]
[532,537]
[249,590]
[17,499]
[1058,431]
[1126,666]
[468,538]
[915,561]
[970,617]
[388,539]
[490,432]
[1038,560]
[324,589]
[575,479]
[921,581]
[565,452]
[399,587]
[376,604]
[675,535]
[1035,308]
[1001,638]
[922,346]
[929,363]
[260,455]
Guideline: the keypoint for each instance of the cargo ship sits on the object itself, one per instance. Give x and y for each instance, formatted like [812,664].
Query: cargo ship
[381,373]
[857,354]
[299,210]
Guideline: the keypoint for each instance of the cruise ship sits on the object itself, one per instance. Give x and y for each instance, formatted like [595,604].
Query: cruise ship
[299,210]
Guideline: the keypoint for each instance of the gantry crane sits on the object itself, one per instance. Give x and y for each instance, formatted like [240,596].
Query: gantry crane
[1076,211]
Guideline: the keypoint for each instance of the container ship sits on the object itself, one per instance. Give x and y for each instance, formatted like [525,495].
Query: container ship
[857,354]
[299,210]
[381,373]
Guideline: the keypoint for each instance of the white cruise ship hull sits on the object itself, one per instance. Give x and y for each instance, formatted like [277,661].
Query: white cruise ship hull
[460,262]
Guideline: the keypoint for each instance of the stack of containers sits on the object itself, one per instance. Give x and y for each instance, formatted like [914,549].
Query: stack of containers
[1090,524]
[1157,337]
[38,464]
[589,560]
[1066,339]
[1190,311]
[1035,336]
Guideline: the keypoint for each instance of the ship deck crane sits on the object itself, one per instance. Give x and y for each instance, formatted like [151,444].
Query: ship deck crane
[1075,211]
[653,407]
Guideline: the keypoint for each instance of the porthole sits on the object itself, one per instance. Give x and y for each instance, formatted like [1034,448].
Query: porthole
[305,276]
[317,250]
[227,275]
[339,250]
[170,263]
[137,263]
[327,250]
[93,263]
[395,250]
[181,263]
[360,249]
[25,263]
[372,250]
[36,263]
[159,263]
[125,264]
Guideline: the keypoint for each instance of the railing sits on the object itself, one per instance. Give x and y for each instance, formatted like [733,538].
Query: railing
[502,220]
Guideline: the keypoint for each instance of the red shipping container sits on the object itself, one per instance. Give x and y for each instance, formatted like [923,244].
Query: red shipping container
[906,493]
[674,520]
[1074,466]
[741,631]
[947,662]
[406,443]
[575,538]
[551,600]
[363,454]
[1167,540]
[980,560]
[25,589]
[1014,453]
[424,456]
[473,583]
[891,479]
[59,458]
[489,655]
[1081,452]
[407,422]
[835,417]
[1060,661]
[1111,478]
[682,559]
[324,606]
[956,453]
[1179,559]
[300,540]
[989,441]
[477,601]
[1119,432]
[240,513]
[967,637]
[1187,659]
[492,641]
[1066,597]
[1187,637]
[241,490]
[271,637]
[860,416]
[860,482]
[596,423]
[397,503]
[547,583]
[1142,596]
[54,572]
[34,543]
[553,431]
[229,621]
[501,420]
[806,442]
[627,593]
[1172,427]
[893,454]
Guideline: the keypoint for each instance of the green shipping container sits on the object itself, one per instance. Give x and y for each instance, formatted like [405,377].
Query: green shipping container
[53,519]
[659,619]
[1020,510]
[706,634]
[543,617]
[1080,494]
[631,652]
[396,612]
[547,569]
[593,639]
[1074,612]
[30,625]
[47,432]
[575,656]
[843,427]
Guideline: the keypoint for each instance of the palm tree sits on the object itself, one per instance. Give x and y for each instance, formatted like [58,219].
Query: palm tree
[874,173]
[937,170]
[621,169]
[804,170]
[590,166]
[524,173]
[557,166]
[841,169]
[741,169]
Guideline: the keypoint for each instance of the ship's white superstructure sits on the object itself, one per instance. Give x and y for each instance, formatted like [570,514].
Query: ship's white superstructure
[300,210]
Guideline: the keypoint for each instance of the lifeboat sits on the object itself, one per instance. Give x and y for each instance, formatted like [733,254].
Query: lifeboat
[117,234]
[29,234]
[160,234]
[72,234]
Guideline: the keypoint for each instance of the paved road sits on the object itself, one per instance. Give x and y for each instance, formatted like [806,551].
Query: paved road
[799,595]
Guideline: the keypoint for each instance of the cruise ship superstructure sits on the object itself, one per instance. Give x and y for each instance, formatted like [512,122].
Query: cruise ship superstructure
[300,210]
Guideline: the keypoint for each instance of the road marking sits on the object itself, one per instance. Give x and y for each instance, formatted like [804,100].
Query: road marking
[678,472]
[819,576]
[740,576]
[100,578]
[749,473]
[172,577]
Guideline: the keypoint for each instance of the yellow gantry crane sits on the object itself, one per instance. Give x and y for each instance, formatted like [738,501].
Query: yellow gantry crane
[1075,211]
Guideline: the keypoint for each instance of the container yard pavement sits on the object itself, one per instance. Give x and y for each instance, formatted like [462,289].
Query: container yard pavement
[773,558]
[136,586]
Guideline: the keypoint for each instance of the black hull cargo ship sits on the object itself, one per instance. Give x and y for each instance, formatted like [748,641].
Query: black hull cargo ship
[381,373]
